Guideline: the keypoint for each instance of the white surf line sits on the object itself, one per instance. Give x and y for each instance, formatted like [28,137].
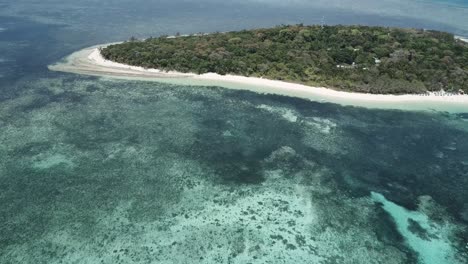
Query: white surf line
[433,249]
[464,39]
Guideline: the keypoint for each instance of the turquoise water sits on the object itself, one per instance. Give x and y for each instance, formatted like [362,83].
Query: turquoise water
[97,170]
[430,240]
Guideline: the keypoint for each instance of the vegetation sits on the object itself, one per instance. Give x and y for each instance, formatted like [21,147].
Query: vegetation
[350,58]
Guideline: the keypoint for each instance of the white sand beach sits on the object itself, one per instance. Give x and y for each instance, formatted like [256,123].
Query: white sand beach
[89,61]
[465,39]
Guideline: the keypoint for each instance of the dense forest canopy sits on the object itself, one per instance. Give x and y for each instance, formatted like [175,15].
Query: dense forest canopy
[350,58]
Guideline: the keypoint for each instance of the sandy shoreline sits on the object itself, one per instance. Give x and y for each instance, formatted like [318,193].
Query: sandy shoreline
[464,39]
[89,61]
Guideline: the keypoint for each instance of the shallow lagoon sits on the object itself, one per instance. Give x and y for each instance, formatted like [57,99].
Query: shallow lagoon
[118,171]
[96,171]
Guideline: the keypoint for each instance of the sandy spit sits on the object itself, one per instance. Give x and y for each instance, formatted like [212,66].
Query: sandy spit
[90,61]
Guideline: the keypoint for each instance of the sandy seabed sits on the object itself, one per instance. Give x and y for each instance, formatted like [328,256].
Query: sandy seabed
[90,61]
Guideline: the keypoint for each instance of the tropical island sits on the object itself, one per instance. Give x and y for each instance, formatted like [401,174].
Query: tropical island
[363,59]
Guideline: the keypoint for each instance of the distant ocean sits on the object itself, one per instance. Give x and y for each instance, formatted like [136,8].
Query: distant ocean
[461,3]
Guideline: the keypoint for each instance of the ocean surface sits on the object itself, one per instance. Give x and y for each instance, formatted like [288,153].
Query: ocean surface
[98,170]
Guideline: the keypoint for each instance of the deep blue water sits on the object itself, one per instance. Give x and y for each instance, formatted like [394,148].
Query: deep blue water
[98,170]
